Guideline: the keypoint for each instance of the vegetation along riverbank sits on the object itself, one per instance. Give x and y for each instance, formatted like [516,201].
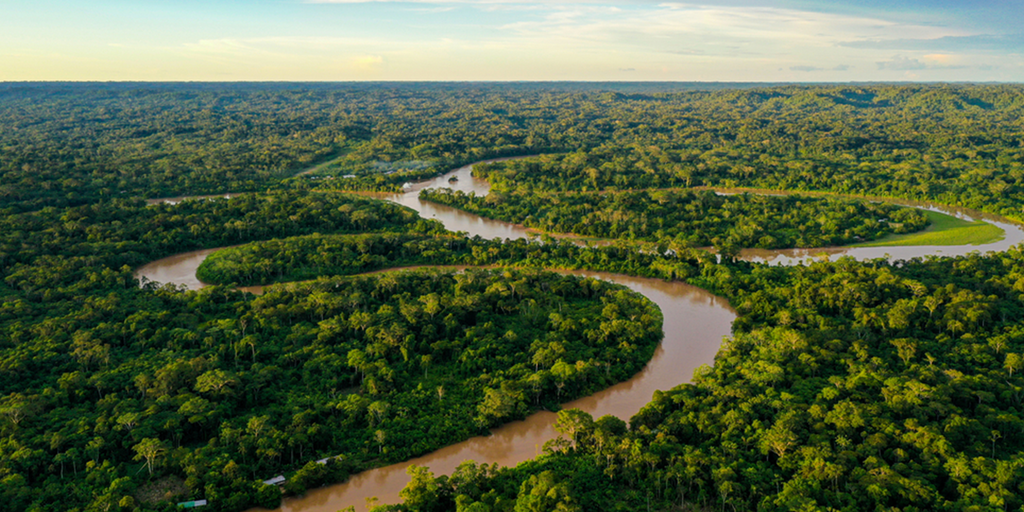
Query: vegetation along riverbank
[847,385]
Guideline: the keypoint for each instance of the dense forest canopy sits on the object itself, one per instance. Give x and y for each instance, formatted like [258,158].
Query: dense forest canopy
[311,256]
[848,386]
[372,370]
[72,144]
[683,218]
[107,385]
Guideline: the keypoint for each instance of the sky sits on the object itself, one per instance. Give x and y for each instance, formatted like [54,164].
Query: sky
[512,40]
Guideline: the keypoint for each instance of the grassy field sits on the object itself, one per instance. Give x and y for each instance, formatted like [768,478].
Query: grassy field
[944,230]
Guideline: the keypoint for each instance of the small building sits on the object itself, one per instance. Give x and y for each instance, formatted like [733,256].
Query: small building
[277,480]
[192,504]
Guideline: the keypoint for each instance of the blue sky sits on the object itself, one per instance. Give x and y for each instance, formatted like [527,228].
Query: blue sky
[728,40]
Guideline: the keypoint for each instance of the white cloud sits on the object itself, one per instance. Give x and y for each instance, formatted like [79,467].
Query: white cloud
[685,30]
[368,62]
[1013,43]
[940,58]
[712,26]
[599,41]
[902,63]
[929,62]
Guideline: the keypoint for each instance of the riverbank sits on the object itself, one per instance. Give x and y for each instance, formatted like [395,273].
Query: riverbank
[943,230]
[695,324]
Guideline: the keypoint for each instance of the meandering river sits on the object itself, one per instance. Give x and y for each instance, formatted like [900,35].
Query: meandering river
[695,323]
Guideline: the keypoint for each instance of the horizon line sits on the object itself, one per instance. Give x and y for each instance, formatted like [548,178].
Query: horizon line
[825,82]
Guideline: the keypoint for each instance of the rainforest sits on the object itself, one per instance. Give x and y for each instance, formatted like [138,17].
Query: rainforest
[378,333]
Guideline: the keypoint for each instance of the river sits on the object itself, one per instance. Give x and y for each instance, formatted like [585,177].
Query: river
[695,323]
[179,269]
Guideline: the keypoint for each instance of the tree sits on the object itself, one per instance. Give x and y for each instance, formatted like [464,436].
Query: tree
[150,449]
[15,407]
[574,423]
[499,404]
[422,491]
[1013,362]
[215,382]
[544,493]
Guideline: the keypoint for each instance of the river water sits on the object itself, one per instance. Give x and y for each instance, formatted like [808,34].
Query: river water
[1013,234]
[178,269]
[458,220]
[695,323]
[176,200]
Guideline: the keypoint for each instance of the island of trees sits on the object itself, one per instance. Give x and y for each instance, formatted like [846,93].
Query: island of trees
[685,218]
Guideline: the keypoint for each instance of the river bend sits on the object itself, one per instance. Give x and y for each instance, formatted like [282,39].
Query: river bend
[694,326]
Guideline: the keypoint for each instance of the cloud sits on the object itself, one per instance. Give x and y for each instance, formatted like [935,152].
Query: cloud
[933,61]
[369,61]
[602,39]
[735,31]
[901,63]
[954,43]
[738,30]
[811,69]
[939,58]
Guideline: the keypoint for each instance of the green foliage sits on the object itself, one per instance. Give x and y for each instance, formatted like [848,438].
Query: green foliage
[848,385]
[543,493]
[306,257]
[310,256]
[70,144]
[683,218]
[106,385]
[945,230]
[65,252]
[254,387]
[421,492]
[904,142]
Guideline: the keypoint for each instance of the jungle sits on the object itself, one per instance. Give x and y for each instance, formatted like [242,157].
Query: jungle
[846,385]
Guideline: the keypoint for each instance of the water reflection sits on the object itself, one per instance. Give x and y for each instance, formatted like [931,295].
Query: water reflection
[458,220]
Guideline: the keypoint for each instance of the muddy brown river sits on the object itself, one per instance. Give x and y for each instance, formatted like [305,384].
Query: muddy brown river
[695,324]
